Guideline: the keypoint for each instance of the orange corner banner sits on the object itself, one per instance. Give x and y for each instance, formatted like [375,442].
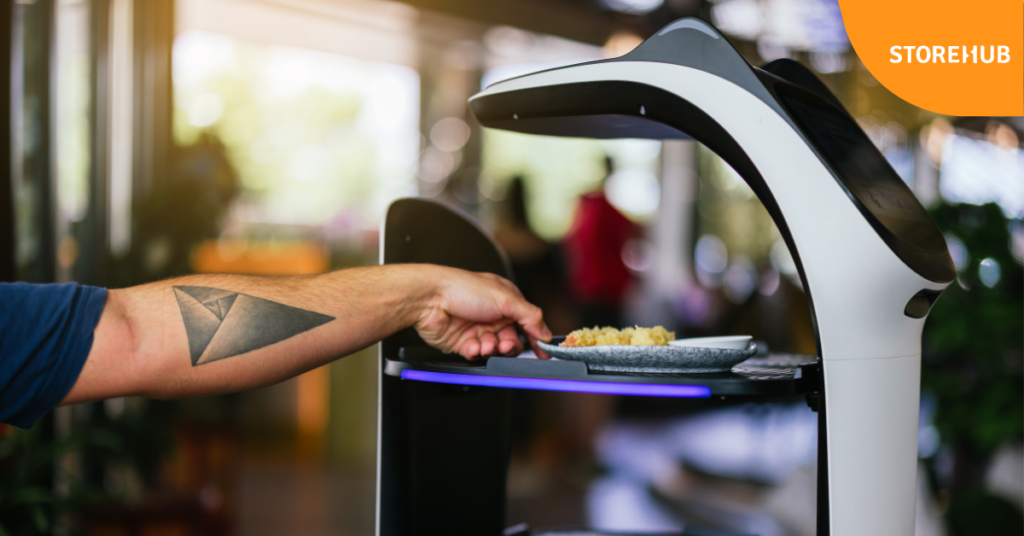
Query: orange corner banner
[954,58]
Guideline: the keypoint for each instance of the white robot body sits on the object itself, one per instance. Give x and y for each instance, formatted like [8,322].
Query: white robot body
[861,288]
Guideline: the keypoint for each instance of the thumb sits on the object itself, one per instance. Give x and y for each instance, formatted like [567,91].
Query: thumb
[530,318]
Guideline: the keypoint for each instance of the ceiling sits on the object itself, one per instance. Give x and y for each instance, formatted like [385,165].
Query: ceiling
[587,21]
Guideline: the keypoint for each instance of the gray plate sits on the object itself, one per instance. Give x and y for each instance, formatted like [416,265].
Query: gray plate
[668,359]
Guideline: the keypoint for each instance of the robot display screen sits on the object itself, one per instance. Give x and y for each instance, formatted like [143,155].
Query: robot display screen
[865,173]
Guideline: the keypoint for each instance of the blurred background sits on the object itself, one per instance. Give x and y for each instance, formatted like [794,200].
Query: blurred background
[154,138]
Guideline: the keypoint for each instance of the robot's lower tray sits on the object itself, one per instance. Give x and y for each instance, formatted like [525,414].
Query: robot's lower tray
[776,375]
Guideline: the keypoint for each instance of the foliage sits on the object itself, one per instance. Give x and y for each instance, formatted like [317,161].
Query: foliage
[979,512]
[973,338]
[27,503]
[138,441]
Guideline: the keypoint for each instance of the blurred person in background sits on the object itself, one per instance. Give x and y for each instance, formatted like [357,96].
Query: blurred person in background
[537,264]
[65,344]
[599,280]
[597,274]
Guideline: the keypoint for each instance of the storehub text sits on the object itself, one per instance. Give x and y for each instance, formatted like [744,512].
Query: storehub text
[950,54]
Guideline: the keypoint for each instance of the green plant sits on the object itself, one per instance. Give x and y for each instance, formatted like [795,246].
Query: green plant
[32,461]
[973,338]
[26,504]
[979,512]
[28,461]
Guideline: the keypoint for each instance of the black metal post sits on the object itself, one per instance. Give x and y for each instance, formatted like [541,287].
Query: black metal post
[7,269]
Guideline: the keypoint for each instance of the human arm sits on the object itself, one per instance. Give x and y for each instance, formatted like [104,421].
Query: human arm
[208,334]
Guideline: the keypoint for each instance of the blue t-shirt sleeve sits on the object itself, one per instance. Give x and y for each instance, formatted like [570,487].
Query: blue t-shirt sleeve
[46,333]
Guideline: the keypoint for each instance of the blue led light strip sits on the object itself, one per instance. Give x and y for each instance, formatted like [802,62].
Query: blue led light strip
[573,386]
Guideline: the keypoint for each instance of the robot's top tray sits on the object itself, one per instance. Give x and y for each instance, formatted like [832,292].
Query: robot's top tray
[776,375]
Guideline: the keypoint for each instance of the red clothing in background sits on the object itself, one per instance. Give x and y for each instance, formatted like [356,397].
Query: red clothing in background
[593,250]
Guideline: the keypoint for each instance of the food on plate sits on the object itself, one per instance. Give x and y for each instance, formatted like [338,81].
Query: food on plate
[609,336]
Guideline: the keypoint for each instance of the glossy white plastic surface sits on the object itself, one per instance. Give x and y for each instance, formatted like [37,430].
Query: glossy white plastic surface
[872,410]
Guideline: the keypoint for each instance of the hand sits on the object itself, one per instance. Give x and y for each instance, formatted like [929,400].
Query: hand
[475,314]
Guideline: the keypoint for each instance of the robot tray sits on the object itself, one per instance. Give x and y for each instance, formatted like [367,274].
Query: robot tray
[774,375]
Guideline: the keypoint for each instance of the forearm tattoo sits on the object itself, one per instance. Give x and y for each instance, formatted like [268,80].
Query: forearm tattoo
[221,323]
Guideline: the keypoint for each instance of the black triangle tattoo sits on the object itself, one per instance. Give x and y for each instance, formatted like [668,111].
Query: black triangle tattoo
[222,323]
[215,309]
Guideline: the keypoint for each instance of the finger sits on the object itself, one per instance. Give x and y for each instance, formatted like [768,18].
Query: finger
[488,344]
[509,343]
[523,312]
[470,349]
[530,318]
[507,348]
[541,354]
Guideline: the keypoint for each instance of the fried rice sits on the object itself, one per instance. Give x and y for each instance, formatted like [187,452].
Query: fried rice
[635,336]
